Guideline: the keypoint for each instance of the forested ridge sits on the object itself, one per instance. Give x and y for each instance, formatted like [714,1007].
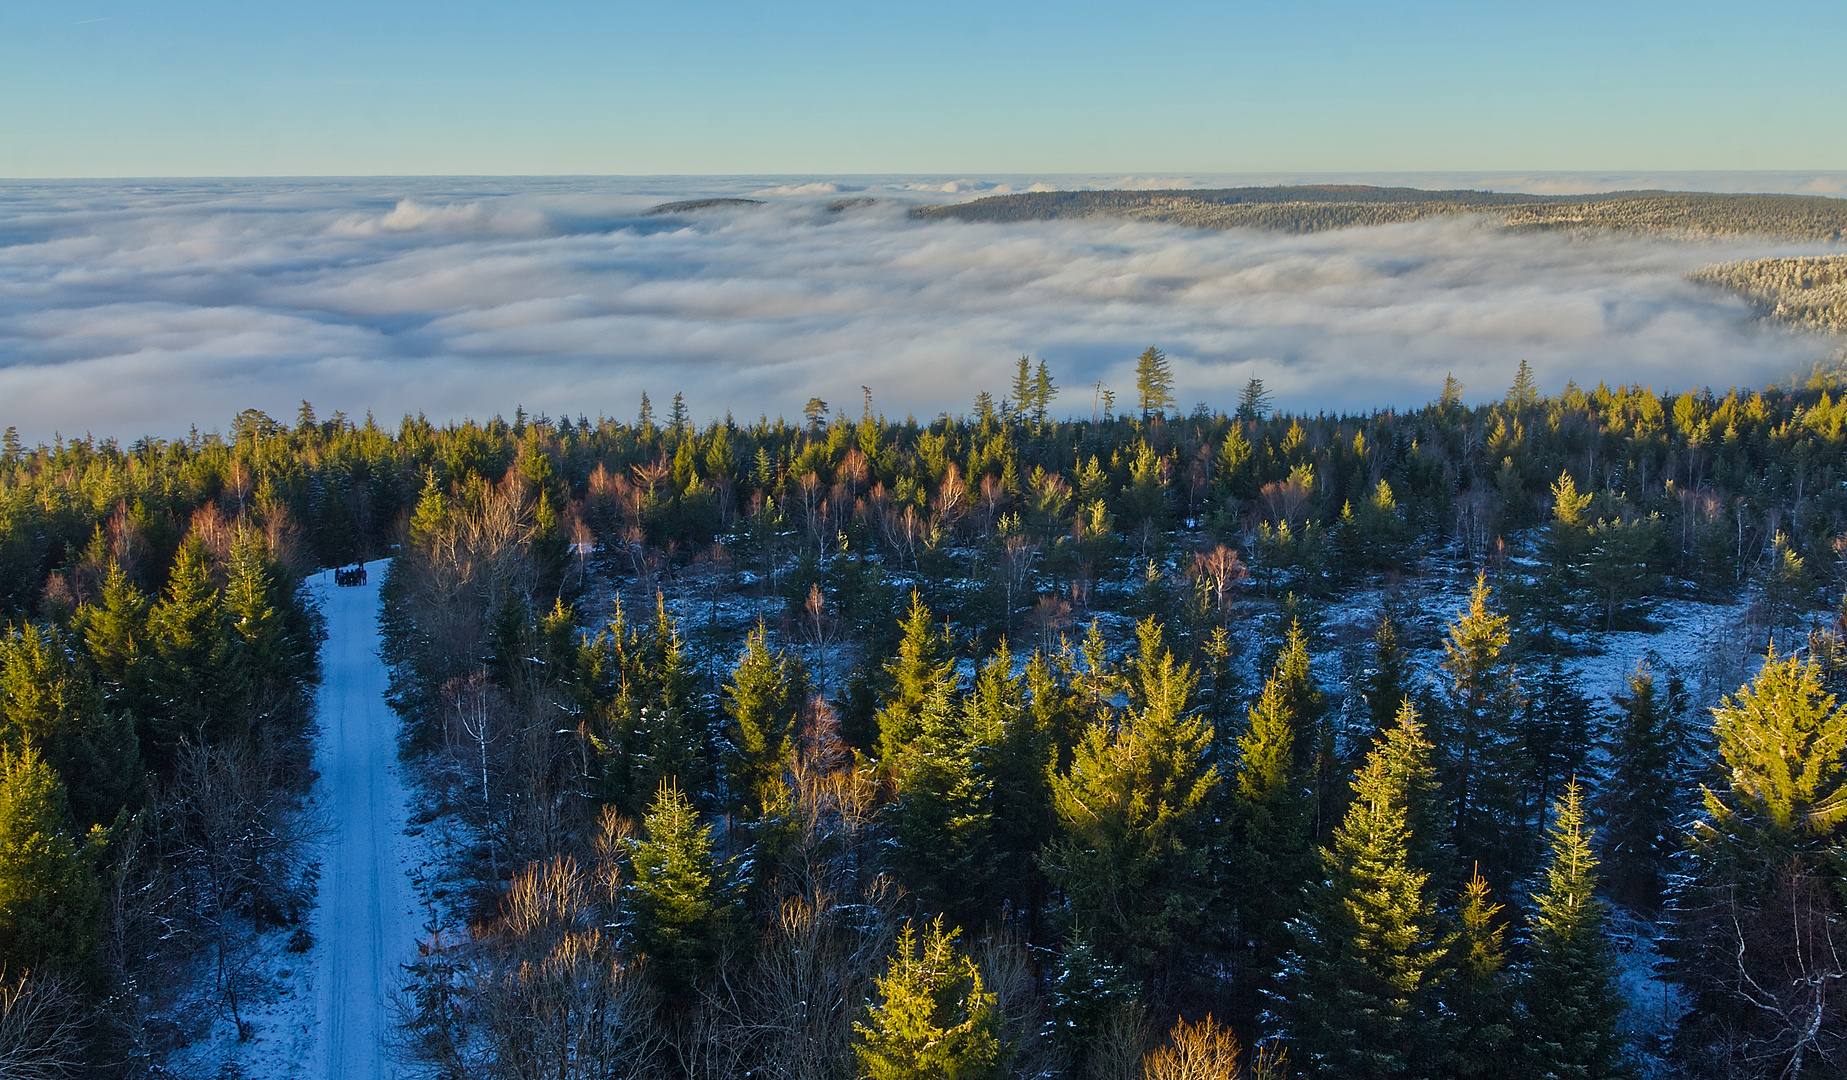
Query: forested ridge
[1806,290]
[1147,743]
[1314,208]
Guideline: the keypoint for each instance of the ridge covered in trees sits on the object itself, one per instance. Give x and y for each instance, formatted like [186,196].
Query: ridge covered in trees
[1316,208]
[1148,743]
[1807,290]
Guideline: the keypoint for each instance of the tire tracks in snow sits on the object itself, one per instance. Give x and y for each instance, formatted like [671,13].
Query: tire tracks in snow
[366,921]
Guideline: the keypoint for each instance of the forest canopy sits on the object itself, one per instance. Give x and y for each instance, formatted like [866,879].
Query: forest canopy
[1315,208]
[1000,744]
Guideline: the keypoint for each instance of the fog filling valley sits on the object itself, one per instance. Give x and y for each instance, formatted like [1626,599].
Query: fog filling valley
[133,308]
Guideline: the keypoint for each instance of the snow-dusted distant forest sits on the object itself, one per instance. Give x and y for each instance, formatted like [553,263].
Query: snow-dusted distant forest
[1070,736]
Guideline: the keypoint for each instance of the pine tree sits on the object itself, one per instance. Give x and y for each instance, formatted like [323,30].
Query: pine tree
[925,659]
[1154,382]
[1021,404]
[683,907]
[1137,811]
[933,1019]
[50,900]
[1645,787]
[1524,393]
[1044,390]
[763,698]
[1254,402]
[48,703]
[1363,993]
[1568,997]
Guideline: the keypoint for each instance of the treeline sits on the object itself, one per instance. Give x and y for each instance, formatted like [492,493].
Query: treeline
[1322,207]
[1807,290]
[1677,492]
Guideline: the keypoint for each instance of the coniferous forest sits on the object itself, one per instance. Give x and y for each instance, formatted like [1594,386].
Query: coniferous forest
[1062,738]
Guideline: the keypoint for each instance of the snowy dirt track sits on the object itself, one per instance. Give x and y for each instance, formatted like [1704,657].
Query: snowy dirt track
[365,923]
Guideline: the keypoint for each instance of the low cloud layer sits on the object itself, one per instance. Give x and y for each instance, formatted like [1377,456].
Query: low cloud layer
[128,309]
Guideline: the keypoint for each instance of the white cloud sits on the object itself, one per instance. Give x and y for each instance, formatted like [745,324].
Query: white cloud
[817,188]
[125,312]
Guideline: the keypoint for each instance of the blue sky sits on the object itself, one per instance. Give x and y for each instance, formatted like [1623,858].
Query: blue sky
[256,87]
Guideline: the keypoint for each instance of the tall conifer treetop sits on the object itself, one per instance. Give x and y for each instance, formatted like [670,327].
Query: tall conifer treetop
[1782,739]
[933,1019]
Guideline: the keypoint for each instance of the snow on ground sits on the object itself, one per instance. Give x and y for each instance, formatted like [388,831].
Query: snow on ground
[366,922]
[327,1014]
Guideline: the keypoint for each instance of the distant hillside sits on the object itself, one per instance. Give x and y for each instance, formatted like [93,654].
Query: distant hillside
[1323,207]
[1809,292]
[690,205]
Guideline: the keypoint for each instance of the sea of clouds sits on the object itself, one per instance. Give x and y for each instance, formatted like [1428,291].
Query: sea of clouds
[131,308]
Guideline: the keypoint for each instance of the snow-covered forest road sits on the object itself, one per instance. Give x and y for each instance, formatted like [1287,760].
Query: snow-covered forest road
[365,923]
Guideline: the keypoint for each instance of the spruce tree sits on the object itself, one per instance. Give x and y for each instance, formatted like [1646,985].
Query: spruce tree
[1270,855]
[1645,788]
[941,824]
[1759,911]
[115,638]
[193,682]
[1484,766]
[1558,728]
[1568,998]
[1302,699]
[1362,994]
[1138,821]
[1388,682]
[682,906]
[262,657]
[643,718]
[1563,549]
[925,662]
[1478,1000]
[933,1019]
[1016,753]
[49,703]
[431,518]
[763,699]
[1254,401]
[1316,764]
[50,900]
